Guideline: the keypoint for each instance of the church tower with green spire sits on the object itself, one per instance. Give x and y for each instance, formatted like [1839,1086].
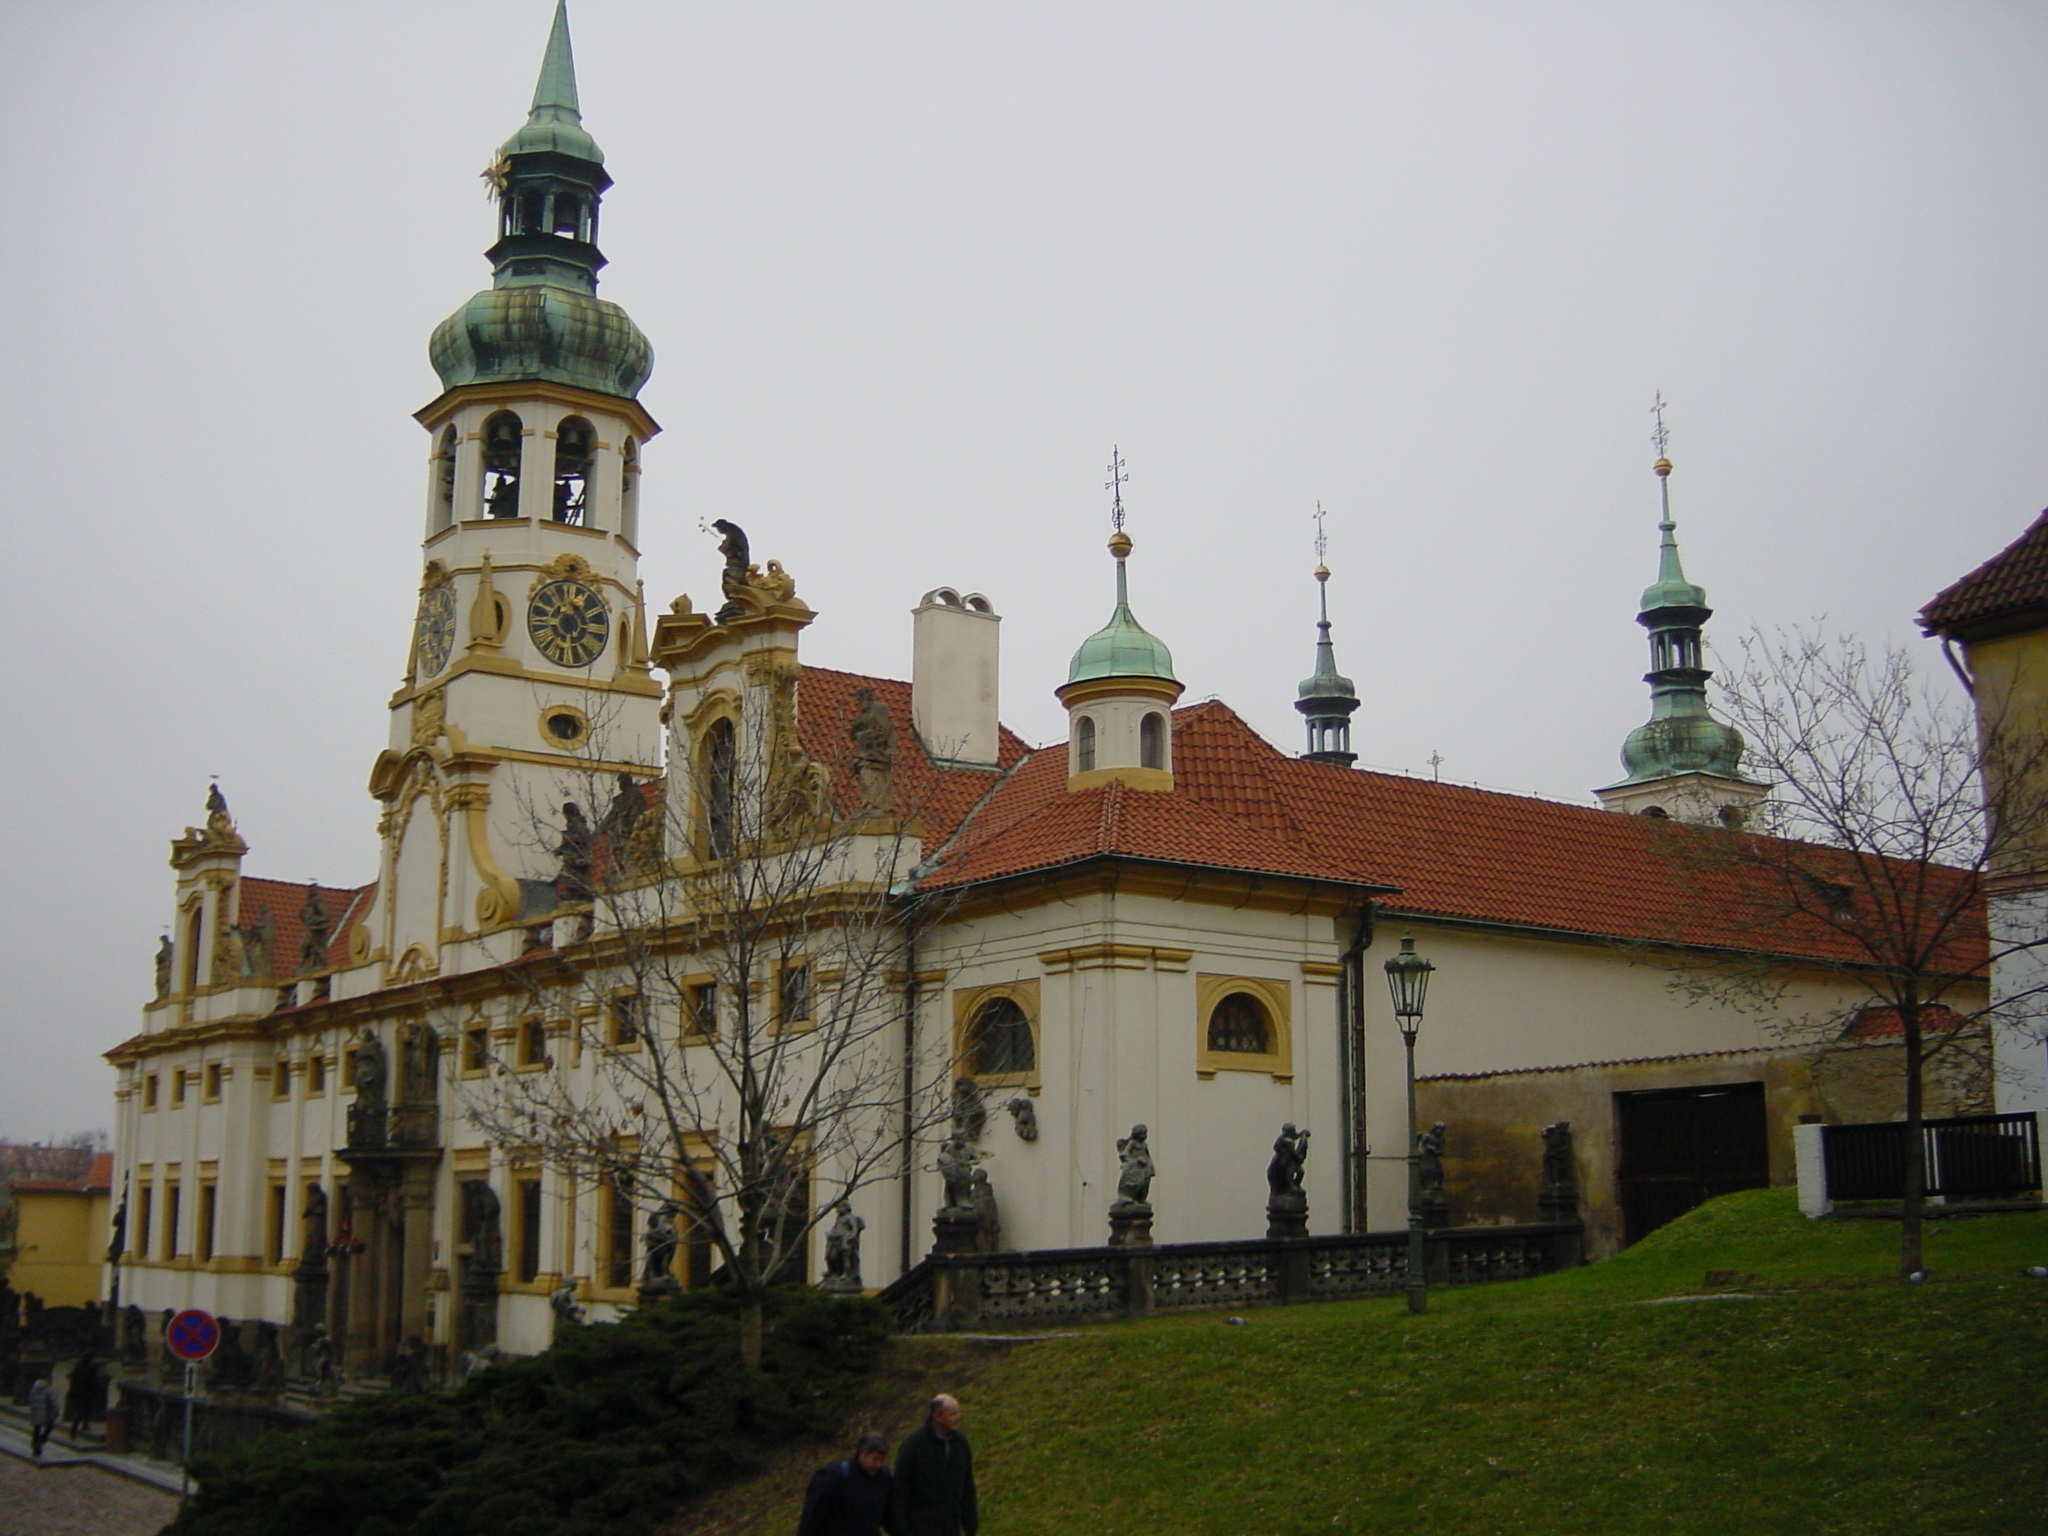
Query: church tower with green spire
[1681,762]
[527,674]
[1326,698]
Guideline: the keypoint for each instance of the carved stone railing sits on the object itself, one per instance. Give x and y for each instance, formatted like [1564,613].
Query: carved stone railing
[950,1292]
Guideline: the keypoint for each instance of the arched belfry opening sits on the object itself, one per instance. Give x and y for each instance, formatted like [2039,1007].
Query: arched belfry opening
[575,451]
[504,441]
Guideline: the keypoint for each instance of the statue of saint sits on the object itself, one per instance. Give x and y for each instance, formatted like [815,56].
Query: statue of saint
[874,752]
[313,1244]
[577,852]
[1429,1163]
[732,543]
[422,1050]
[989,1236]
[842,1247]
[956,1167]
[1289,1162]
[1560,1177]
[661,1241]
[1134,1179]
[371,1072]
[164,950]
[313,917]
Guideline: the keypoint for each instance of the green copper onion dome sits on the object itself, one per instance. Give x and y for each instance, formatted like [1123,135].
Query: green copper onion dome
[1682,743]
[541,318]
[1122,647]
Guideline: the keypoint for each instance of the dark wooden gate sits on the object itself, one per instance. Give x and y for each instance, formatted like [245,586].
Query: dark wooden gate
[1680,1147]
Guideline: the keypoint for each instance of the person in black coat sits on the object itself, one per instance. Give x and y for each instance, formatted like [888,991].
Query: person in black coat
[851,1497]
[934,1491]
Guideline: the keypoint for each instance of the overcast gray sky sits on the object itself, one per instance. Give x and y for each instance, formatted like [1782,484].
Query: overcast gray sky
[909,270]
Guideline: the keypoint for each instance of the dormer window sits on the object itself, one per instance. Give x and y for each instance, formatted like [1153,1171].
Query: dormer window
[1084,745]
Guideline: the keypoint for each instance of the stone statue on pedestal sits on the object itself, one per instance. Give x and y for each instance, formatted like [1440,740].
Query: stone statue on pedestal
[842,1250]
[956,1167]
[1134,1177]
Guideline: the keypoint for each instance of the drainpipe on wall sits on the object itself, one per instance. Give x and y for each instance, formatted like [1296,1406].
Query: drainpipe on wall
[909,1083]
[1351,1068]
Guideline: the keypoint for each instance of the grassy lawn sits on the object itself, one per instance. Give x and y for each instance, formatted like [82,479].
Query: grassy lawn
[1826,1398]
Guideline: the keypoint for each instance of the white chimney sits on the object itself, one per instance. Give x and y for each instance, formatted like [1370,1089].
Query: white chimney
[953,677]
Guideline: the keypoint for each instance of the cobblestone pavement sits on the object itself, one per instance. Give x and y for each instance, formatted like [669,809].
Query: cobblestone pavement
[78,1501]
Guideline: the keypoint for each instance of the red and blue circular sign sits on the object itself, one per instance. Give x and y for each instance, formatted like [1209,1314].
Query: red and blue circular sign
[192,1334]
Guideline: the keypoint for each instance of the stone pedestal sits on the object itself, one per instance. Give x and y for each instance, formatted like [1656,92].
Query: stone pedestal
[654,1292]
[1130,1225]
[1436,1211]
[956,1229]
[842,1285]
[1287,1215]
[956,1288]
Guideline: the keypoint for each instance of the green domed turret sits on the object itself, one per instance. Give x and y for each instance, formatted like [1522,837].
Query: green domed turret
[1122,647]
[1327,698]
[541,317]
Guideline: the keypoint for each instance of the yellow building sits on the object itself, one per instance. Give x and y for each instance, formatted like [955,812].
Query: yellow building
[60,1235]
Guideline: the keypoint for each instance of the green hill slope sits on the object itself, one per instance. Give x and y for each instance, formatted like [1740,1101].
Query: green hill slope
[1818,1396]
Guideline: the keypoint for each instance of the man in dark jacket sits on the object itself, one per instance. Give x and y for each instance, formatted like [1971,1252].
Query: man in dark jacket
[934,1492]
[851,1497]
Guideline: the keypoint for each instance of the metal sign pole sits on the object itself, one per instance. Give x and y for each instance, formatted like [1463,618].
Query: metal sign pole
[185,1466]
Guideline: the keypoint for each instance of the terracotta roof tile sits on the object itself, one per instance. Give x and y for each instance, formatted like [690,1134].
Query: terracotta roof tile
[1454,853]
[2002,594]
[282,902]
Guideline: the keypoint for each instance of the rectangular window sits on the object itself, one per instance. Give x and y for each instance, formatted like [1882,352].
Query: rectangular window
[476,1049]
[281,1079]
[617,1213]
[177,1088]
[316,1075]
[209,1209]
[700,1010]
[793,996]
[174,1196]
[278,1222]
[526,1205]
[149,1087]
[213,1076]
[533,1043]
[625,1019]
[145,1213]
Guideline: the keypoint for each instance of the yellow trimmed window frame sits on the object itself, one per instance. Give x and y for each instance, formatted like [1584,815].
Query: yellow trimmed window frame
[969,1003]
[1273,998]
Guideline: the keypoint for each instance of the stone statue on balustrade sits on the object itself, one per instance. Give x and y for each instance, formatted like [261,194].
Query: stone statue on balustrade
[568,1311]
[1430,1198]
[988,1220]
[956,1166]
[1136,1173]
[660,1240]
[842,1251]
[1286,1202]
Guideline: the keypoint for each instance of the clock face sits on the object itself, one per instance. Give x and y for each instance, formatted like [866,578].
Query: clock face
[435,636]
[569,623]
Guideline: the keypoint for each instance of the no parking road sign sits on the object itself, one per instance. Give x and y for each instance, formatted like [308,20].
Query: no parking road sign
[192,1334]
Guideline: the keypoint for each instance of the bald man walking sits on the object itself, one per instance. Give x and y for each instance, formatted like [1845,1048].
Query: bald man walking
[933,1493]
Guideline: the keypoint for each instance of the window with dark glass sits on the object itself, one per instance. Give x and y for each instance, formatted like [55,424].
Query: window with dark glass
[700,999]
[527,1205]
[793,995]
[1152,741]
[721,768]
[1084,746]
[625,1019]
[999,1040]
[618,1228]
[1239,1024]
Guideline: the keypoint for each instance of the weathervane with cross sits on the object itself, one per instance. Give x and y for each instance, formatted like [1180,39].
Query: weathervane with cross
[1115,486]
[1660,439]
[1322,538]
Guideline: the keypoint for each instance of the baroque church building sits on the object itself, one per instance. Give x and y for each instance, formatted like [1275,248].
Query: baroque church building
[685,953]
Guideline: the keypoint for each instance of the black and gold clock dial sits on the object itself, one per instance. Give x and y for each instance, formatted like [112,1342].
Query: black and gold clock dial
[569,623]
[435,636]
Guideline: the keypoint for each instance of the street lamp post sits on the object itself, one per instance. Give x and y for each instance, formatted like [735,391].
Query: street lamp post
[1408,980]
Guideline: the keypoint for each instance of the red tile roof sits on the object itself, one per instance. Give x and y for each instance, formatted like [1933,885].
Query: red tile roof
[1452,852]
[282,902]
[97,1180]
[2006,593]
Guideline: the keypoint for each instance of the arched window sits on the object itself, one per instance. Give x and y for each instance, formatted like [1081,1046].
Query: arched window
[1152,741]
[1084,745]
[1239,1023]
[444,480]
[721,770]
[195,933]
[629,489]
[575,446]
[999,1040]
[504,441]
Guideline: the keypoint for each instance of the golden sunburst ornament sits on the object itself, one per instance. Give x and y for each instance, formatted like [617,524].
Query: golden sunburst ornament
[497,176]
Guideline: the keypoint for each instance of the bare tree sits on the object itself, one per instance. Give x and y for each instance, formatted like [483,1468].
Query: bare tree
[1890,813]
[731,1049]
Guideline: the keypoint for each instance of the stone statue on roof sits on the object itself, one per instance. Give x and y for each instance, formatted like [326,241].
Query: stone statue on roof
[313,947]
[732,543]
[874,752]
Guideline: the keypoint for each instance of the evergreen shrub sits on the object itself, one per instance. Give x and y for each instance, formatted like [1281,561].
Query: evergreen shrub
[602,1435]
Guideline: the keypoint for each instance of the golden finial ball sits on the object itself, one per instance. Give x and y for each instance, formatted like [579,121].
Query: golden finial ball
[1663,468]
[1120,544]
[1322,573]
